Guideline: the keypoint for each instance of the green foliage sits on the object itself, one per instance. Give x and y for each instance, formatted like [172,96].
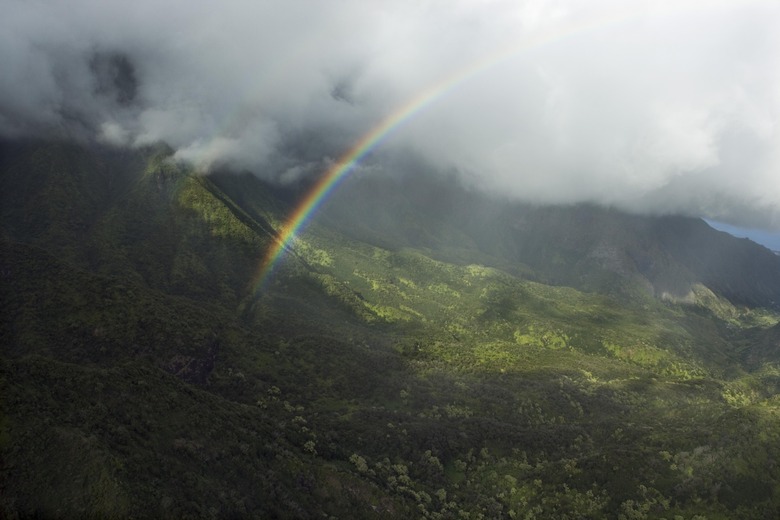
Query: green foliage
[141,377]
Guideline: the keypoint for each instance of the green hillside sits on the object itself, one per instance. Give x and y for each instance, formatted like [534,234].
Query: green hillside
[431,353]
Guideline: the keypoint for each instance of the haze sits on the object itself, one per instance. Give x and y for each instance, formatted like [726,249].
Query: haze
[660,107]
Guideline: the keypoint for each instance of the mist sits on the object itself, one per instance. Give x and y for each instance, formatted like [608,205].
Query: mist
[656,107]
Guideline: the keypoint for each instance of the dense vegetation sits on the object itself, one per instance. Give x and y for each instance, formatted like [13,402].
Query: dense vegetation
[423,371]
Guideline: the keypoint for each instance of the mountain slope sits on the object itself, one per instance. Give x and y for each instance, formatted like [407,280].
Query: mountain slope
[582,246]
[421,372]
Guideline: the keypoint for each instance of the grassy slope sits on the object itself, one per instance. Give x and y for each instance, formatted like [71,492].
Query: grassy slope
[140,377]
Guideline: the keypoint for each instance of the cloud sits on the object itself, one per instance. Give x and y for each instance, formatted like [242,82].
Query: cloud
[655,106]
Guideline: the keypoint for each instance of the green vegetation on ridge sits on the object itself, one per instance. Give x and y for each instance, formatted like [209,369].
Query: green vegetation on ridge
[141,377]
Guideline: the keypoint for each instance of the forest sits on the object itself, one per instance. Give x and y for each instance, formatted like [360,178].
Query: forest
[485,364]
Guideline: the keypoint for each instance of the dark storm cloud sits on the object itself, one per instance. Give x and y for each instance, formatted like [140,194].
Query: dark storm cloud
[651,106]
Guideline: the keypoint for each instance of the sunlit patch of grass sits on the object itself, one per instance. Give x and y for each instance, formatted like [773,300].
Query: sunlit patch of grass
[314,255]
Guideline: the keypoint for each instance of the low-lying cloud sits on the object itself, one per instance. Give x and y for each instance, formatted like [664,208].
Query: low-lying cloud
[653,106]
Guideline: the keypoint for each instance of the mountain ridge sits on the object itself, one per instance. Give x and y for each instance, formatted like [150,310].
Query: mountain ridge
[566,244]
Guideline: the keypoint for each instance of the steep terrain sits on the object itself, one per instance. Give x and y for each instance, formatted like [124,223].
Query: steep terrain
[428,353]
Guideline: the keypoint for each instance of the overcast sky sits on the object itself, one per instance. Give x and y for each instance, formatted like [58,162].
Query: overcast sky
[651,106]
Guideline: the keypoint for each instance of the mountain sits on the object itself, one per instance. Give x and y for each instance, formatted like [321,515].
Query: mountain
[423,350]
[583,246]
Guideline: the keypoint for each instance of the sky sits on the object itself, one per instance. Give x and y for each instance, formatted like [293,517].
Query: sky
[768,239]
[662,107]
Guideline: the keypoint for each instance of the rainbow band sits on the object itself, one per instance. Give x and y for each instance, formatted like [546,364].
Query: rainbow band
[341,169]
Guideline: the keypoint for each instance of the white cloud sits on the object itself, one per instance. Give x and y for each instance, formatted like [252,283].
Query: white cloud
[649,105]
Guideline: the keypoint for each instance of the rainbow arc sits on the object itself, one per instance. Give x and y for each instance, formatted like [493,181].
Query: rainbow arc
[341,169]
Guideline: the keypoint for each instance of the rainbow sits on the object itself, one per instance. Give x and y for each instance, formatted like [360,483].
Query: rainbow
[329,182]
[336,174]
[341,169]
